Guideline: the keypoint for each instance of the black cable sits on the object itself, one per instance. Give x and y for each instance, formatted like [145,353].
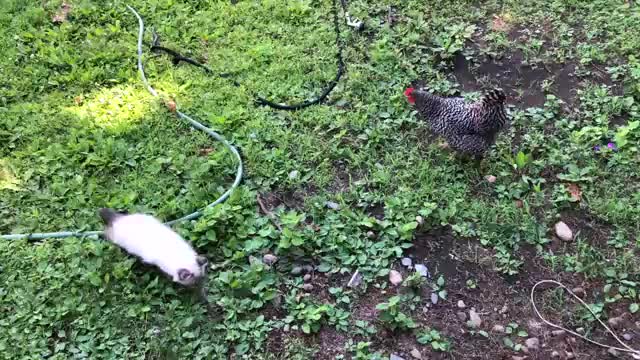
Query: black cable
[177,58]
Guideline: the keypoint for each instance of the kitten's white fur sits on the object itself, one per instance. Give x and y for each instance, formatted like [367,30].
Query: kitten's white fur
[155,243]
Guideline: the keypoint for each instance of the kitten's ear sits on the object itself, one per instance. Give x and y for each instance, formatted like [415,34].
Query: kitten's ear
[184,274]
[201,260]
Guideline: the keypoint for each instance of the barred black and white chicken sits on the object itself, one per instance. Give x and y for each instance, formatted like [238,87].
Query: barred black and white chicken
[469,128]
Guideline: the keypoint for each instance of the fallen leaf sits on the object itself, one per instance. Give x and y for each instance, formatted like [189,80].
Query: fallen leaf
[574,190]
[63,12]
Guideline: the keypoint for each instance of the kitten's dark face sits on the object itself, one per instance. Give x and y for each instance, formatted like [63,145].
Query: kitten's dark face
[188,278]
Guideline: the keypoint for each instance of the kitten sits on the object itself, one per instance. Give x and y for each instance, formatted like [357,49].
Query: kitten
[155,243]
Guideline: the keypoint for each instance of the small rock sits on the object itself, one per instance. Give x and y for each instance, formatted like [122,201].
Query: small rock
[580,330]
[355,280]
[307,268]
[555,354]
[579,292]
[570,355]
[504,309]
[490,179]
[422,270]
[307,278]
[613,352]
[371,234]
[615,321]
[516,357]
[293,175]
[461,304]
[395,278]
[498,329]
[461,315]
[627,336]
[563,231]
[406,262]
[332,205]
[395,357]
[532,343]
[420,220]
[434,298]
[269,259]
[307,287]
[558,333]
[286,328]
[535,327]
[416,354]
[425,309]
[474,319]
[296,270]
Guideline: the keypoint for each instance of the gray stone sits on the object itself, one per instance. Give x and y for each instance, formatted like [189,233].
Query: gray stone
[532,343]
[420,220]
[269,259]
[613,352]
[498,329]
[296,270]
[395,278]
[627,336]
[563,231]
[558,333]
[406,262]
[416,354]
[555,354]
[395,357]
[294,174]
[461,304]
[422,270]
[461,315]
[474,319]
[307,278]
[307,287]
[434,298]
[332,205]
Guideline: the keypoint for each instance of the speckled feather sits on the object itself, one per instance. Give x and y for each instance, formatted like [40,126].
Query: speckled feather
[469,128]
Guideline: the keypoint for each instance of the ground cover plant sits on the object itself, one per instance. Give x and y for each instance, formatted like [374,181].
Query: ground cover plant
[354,235]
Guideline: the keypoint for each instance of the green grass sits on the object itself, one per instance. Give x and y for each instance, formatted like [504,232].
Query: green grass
[78,131]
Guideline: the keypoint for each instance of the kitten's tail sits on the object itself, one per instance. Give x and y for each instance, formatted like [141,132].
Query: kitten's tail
[108,215]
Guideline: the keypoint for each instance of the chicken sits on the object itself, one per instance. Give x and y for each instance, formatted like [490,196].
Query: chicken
[469,128]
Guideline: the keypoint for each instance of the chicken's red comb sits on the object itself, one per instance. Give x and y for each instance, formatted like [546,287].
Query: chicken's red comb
[408,92]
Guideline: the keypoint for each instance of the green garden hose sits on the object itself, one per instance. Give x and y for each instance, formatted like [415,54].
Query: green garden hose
[188,119]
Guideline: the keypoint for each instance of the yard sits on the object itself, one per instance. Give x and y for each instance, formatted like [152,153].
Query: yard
[354,234]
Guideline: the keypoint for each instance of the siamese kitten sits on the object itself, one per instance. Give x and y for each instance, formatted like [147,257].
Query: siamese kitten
[155,243]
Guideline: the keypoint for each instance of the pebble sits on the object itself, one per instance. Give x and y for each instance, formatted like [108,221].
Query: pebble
[570,355]
[490,179]
[406,262]
[332,205]
[498,329]
[532,343]
[355,280]
[307,278]
[296,270]
[434,298]
[563,231]
[307,287]
[416,354]
[627,337]
[579,292]
[422,270]
[558,333]
[395,278]
[613,352]
[307,268]
[516,357]
[461,304]
[580,330]
[615,321]
[504,309]
[395,357]
[293,175]
[371,234]
[269,259]
[555,354]
[420,220]
[474,319]
[462,315]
